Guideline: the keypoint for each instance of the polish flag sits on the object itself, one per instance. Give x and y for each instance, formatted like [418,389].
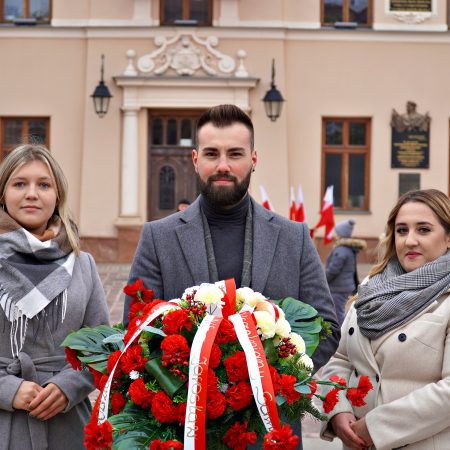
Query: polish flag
[293,206]
[265,199]
[327,215]
[300,206]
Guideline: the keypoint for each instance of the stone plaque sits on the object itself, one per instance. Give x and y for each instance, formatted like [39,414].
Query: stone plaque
[410,139]
[411,6]
[408,182]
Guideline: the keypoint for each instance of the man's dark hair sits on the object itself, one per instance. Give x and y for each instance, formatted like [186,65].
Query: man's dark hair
[224,116]
[184,201]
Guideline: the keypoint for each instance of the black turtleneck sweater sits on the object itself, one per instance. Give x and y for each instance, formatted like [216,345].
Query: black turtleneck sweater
[227,228]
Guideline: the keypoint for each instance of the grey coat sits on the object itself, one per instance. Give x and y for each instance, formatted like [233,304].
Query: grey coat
[43,359]
[171,256]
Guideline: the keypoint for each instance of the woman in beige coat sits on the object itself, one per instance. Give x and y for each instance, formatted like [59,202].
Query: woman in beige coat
[397,333]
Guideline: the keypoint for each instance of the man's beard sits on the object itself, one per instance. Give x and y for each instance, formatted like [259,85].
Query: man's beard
[224,196]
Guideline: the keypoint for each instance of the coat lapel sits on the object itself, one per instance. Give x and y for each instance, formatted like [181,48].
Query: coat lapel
[192,242]
[265,237]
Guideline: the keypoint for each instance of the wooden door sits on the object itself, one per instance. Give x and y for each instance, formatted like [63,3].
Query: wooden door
[171,172]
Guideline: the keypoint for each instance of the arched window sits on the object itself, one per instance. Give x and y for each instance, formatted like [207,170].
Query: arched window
[166,188]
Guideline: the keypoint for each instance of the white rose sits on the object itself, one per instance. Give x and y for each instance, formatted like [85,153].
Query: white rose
[209,294]
[282,327]
[298,341]
[266,324]
[280,312]
[249,296]
[307,361]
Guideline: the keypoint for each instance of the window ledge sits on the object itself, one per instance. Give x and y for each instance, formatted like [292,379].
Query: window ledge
[355,212]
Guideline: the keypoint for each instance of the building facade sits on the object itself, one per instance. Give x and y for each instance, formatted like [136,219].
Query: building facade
[346,68]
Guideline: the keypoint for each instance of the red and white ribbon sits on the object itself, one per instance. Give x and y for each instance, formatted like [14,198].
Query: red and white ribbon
[158,310]
[258,369]
[194,424]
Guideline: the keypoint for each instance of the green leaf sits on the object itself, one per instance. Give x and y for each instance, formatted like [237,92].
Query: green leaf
[280,400]
[302,388]
[270,351]
[155,331]
[113,338]
[297,310]
[169,382]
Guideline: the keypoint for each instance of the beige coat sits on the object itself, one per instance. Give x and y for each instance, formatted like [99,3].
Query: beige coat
[409,367]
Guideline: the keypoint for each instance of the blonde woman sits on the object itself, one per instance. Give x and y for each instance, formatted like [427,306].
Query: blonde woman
[48,288]
[397,332]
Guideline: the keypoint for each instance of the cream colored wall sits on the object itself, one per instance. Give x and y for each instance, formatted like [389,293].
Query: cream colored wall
[365,79]
[45,77]
[92,9]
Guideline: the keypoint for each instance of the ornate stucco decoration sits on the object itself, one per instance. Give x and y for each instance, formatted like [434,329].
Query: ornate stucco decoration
[187,54]
[412,18]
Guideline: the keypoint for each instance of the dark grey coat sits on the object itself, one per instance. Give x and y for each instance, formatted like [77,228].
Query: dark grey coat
[171,256]
[18,431]
[341,272]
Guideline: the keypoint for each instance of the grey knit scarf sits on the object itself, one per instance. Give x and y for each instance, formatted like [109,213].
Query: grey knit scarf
[33,274]
[393,297]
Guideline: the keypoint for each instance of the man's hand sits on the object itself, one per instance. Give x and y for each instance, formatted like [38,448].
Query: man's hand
[49,402]
[360,428]
[342,426]
[26,393]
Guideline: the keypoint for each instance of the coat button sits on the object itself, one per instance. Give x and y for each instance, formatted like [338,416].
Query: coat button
[377,377]
[356,373]
[351,330]
[402,337]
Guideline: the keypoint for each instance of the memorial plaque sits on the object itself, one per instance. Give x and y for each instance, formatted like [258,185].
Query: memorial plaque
[411,6]
[410,149]
[408,182]
[410,139]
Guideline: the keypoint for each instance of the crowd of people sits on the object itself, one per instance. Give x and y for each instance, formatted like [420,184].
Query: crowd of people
[392,327]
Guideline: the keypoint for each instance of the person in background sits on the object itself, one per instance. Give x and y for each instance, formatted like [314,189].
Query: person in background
[183,204]
[341,267]
[397,333]
[48,288]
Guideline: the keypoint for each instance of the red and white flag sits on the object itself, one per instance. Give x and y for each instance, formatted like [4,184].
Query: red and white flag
[265,199]
[293,206]
[327,215]
[300,215]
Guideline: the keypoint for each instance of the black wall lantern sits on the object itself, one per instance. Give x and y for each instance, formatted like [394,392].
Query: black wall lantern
[273,100]
[101,94]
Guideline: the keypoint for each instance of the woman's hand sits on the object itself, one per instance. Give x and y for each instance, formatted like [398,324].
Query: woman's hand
[49,402]
[342,426]
[360,428]
[26,393]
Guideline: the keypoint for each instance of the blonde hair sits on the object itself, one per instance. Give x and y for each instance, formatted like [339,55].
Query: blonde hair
[436,200]
[35,152]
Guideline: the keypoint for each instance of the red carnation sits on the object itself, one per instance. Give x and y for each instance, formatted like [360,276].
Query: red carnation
[137,291]
[112,359]
[216,404]
[176,320]
[356,395]
[98,436]
[330,400]
[175,350]
[166,445]
[99,378]
[226,333]
[313,386]
[236,366]
[287,383]
[133,326]
[133,359]
[117,402]
[237,437]
[281,439]
[72,358]
[181,412]
[212,383]
[216,354]
[150,307]
[239,396]
[139,394]
[337,380]
[275,379]
[163,408]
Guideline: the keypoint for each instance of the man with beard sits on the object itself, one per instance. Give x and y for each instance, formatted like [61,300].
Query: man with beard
[225,234]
